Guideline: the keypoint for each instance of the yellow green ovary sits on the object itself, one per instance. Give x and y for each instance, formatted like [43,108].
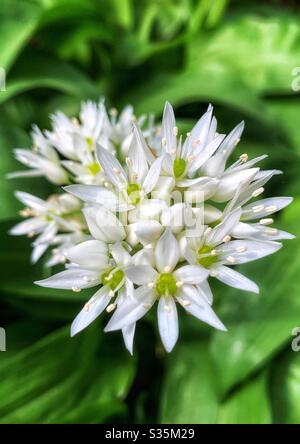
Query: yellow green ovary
[206,261]
[133,191]
[179,166]
[166,285]
[112,279]
[94,168]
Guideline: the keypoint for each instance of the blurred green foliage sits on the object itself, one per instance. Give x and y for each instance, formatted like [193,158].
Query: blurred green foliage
[238,55]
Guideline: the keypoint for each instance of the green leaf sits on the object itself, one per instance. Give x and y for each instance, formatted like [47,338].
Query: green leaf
[18,20]
[249,405]
[285,386]
[260,325]
[50,380]
[44,72]
[189,393]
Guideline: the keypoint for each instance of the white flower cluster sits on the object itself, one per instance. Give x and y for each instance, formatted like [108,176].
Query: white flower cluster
[147,215]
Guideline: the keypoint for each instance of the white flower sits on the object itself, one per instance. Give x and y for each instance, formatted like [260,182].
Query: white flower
[42,159]
[168,286]
[46,218]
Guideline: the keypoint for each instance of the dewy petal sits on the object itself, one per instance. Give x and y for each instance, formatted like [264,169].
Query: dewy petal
[224,228]
[167,127]
[91,254]
[251,250]
[264,207]
[104,225]
[235,279]
[152,175]
[141,274]
[167,252]
[112,168]
[191,274]
[194,303]
[132,309]
[128,336]
[91,310]
[167,322]
[95,195]
[76,278]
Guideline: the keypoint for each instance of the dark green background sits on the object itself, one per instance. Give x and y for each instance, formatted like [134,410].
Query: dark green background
[240,56]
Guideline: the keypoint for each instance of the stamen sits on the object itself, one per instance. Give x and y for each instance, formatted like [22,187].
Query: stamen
[227,238]
[164,141]
[175,130]
[76,289]
[167,308]
[147,306]
[191,158]
[244,157]
[267,221]
[188,134]
[271,208]
[167,269]
[240,249]
[151,284]
[214,252]
[258,192]
[87,307]
[214,273]
[185,302]
[128,161]
[230,259]
[179,284]
[116,170]
[113,112]
[271,231]
[110,308]
[257,208]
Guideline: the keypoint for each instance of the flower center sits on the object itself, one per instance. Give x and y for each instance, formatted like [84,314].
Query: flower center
[112,279]
[205,258]
[166,285]
[179,166]
[94,168]
[134,193]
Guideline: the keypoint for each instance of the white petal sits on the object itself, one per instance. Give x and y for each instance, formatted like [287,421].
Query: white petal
[91,254]
[112,168]
[167,127]
[77,278]
[173,217]
[138,162]
[128,336]
[142,142]
[224,228]
[32,225]
[163,188]
[167,322]
[94,194]
[264,207]
[252,250]
[91,310]
[132,309]
[104,225]
[148,231]
[152,175]
[211,214]
[32,201]
[167,252]
[26,173]
[120,255]
[194,303]
[37,252]
[203,190]
[235,279]
[199,132]
[228,184]
[205,153]
[191,274]
[205,291]
[141,274]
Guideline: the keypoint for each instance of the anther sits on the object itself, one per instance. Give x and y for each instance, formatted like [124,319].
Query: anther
[227,238]
[271,208]
[175,130]
[267,221]
[76,289]
[257,208]
[243,157]
[167,269]
[230,259]
[110,308]
[240,249]
[258,192]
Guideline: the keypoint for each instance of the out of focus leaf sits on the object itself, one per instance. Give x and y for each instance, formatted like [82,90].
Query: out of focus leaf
[41,72]
[248,405]
[189,394]
[285,387]
[18,20]
[57,375]
[259,325]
